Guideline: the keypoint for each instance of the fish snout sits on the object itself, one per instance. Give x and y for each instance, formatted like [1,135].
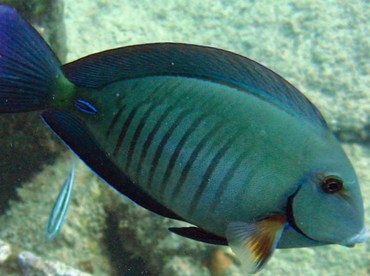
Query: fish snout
[359,238]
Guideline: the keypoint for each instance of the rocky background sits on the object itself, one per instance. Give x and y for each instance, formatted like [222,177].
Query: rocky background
[322,47]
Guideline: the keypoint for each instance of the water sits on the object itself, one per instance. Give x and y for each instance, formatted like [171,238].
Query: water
[321,47]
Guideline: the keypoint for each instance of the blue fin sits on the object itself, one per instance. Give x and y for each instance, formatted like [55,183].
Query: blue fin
[75,135]
[198,234]
[191,61]
[59,212]
[253,243]
[28,67]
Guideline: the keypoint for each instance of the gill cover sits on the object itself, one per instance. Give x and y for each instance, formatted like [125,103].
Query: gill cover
[329,217]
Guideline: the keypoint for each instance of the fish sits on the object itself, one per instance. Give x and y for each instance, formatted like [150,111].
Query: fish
[195,134]
[59,212]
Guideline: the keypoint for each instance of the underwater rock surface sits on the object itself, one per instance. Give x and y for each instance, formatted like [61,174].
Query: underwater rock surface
[30,264]
[321,47]
[34,265]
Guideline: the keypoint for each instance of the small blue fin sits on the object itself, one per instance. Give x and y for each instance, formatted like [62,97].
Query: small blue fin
[28,67]
[211,64]
[60,209]
[254,243]
[77,137]
[198,234]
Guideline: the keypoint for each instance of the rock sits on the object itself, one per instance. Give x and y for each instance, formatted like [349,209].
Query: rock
[181,266]
[5,252]
[33,265]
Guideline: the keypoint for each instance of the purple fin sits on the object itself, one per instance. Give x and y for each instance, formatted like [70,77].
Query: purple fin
[28,67]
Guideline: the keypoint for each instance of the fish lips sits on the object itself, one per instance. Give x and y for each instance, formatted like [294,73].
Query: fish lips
[361,237]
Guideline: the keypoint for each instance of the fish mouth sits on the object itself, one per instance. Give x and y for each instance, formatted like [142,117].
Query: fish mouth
[361,237]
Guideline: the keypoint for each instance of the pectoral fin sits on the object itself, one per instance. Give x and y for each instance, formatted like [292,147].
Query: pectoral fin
[254,243]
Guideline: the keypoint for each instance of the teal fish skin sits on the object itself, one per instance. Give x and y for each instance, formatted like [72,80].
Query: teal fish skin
[193,133]
[229,155]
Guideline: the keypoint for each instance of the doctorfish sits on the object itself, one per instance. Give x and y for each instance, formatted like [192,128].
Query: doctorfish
[196,134]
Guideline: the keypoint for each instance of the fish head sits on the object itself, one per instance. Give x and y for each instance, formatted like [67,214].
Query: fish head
[327,206]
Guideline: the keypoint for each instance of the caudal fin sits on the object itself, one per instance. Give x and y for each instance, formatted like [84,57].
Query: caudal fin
[29,69]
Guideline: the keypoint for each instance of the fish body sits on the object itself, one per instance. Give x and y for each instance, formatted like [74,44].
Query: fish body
[209,162]
[196,134]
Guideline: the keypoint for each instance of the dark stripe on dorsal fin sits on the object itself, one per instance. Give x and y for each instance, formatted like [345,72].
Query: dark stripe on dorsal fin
[198,234]
[174,59]
[76,135]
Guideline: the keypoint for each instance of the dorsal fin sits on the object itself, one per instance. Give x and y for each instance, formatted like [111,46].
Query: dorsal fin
[174,59]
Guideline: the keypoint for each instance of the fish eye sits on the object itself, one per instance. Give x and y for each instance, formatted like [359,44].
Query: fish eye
[331,184]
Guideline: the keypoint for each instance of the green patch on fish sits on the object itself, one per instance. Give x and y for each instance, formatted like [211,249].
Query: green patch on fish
[193,133]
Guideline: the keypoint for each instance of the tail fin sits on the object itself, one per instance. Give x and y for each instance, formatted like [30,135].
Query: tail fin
[29,70]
